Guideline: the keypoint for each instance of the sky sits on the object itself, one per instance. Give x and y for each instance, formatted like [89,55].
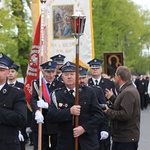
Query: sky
[144,3]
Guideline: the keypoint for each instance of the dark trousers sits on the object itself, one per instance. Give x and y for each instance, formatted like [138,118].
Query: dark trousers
[142,100]
[125,146]
[105,144]
[45,141]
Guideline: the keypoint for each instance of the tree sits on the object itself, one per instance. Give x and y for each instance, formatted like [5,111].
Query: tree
[119,27]
[24,34]
[16,32]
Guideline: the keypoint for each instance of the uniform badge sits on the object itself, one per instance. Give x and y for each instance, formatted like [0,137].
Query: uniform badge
[65,91]
[60,104]
[66,105]
[4,91]
[53,84]
[80,89]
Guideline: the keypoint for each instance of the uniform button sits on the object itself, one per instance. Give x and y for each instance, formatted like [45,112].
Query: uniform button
[4,104]
[84,102]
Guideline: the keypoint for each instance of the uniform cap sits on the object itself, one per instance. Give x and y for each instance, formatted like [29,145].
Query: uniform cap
[5,61]
[14,66]
[49,66]
[83,71]
[68,67]
[58,58]
[95,63]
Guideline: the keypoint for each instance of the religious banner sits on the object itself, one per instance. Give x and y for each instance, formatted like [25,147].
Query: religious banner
[60,37]
[112,61]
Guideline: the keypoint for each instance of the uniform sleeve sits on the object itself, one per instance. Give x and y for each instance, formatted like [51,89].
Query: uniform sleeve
[34,97]
[14,113]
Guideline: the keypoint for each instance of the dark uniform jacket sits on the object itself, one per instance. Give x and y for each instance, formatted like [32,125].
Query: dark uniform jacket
[13,115]
[103,126]
[19,84]
[90,116]
[47,127]
[104,83]
[125,116]
[141,85]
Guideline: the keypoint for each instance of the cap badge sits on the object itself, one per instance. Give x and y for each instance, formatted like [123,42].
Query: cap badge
[59,56]
[80,68]
[1,55]
[49,64]
[95,60]
[68,64]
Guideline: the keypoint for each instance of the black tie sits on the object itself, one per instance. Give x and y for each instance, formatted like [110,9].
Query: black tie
[48,85]
[71,92]
[11,84]
[96,82]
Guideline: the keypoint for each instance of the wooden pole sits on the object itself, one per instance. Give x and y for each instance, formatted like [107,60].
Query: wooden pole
[40,79]
[77,88]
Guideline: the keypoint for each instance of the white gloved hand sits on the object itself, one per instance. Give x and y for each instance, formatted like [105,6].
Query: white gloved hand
[39,117]
[42,104]
[104,135]
[21,138]
[28,130]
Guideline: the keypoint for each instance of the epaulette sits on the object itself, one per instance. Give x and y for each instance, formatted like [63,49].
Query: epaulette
[96,86]
[16,88]
[58,89]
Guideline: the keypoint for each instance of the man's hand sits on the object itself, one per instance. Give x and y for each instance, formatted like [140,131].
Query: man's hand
[108,93]
[104,135]
[78,131]
[42,104]
[106,108]
[75,110]
[39,117]
[20,136]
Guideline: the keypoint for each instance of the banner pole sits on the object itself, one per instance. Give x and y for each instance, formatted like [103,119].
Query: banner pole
[40,79]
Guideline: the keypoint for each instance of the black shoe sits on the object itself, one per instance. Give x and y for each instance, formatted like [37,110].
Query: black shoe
[31,144]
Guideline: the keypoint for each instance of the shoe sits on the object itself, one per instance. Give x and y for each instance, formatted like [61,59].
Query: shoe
[31,144]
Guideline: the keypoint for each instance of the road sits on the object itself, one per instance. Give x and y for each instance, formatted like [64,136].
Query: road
[144,143]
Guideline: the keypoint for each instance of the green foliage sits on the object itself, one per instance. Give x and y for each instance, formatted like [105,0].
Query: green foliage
[121,26]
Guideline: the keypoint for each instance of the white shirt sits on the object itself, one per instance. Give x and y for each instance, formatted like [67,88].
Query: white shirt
[1,86]
[72,89]
[99,79]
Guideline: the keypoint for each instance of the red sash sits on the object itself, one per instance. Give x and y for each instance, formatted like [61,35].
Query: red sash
[45,91]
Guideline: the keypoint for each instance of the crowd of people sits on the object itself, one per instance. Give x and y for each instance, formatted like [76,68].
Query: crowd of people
[108,109]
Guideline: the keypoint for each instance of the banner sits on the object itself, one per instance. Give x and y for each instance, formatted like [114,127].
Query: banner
[33,64]
[59,36]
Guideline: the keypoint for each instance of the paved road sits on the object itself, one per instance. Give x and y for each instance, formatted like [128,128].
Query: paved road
[144,143]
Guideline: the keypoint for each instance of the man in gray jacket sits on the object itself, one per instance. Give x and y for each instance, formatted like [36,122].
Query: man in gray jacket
[125,115]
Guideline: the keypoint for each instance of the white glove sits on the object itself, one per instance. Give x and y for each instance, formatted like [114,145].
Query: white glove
[39,117]
[28,130]
[42,104]
[21,138]
[104,135]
